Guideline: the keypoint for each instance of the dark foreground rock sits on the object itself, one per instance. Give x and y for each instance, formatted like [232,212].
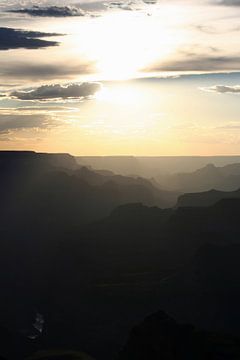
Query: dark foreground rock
[161,337]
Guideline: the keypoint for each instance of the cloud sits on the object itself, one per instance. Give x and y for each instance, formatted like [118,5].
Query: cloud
[36,71]
[229,126]
[41,109]
[130,5]
[150,2]
[10,122]
[56,92]
[207,29]
[87,5]
[228,2]
[198,63]
[223,89]
[16,39]
[51,11]
[124,5]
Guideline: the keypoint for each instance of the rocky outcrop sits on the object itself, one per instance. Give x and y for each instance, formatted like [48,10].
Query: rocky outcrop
[161,337]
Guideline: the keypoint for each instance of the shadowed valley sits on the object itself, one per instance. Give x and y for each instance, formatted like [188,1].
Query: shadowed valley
[86,255]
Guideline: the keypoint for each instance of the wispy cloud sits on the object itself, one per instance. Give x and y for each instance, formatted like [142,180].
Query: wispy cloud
[9,122]
[223,89]
[45,71]
[229,126]
[194,62]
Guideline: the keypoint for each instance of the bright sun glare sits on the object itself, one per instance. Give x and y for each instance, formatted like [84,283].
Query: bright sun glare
[119,95]
[122,44]
[131,45]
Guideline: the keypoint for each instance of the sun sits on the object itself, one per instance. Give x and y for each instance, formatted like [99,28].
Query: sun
[121,94]
[124,43]
[130,43]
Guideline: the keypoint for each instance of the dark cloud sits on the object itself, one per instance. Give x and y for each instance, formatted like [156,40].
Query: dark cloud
[18,122]
[15,39]
[223,89]
[198,63]
[40,71]
[51,11]
[59,92]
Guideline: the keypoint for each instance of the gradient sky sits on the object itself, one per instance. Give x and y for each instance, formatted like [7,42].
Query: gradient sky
[120,77]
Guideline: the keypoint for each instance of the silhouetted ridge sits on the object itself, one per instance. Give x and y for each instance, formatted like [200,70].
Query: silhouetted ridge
[158,167]
[168,172]
[226,178]
[28,158]
[130,189]
[51,188]
[207,198]
[139,216]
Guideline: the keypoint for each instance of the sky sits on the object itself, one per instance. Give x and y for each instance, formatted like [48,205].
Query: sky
[147,78]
